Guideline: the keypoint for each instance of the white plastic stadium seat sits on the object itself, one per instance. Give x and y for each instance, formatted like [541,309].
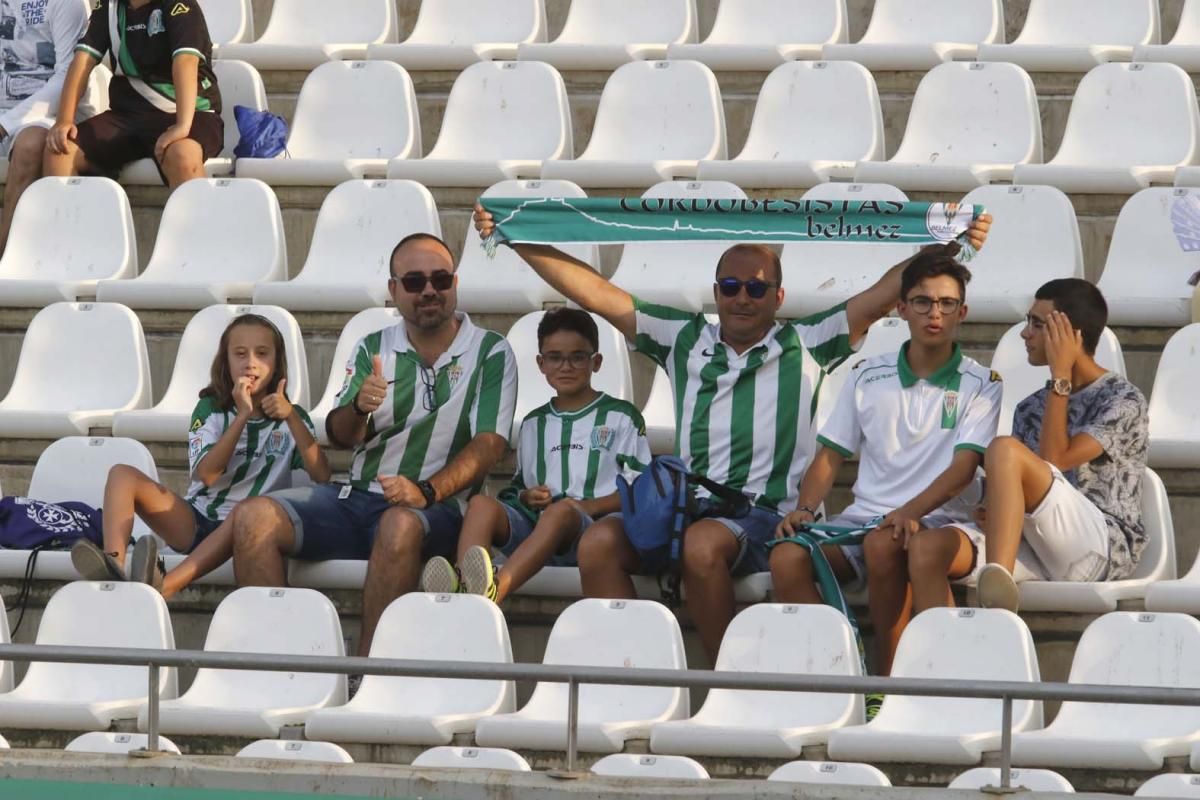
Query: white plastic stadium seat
[3,743]
[690,265]
[168,421]
[396,710]
[1170,785]
[813,640]
[830,772]
[1184,48]
[193,268]
[229,21]
[241,85]
[357,228]
[789,146]
[609,633]
[819,275]
[303,34]
[504,283]
[452,34]
[948,643]
[6,667]
[502,120]
[919,34]
[86,697]
[1034,238]
[80,363]
[1022,379]
[884,336]
[604,34]
[762,34]
[293,750]
[656,121]
[446,757]
[1182,595]
[1105,147]
[364,322]
[1174,420]
[1035,780]
[92,240]
[614,376]
[1123,649]
[659,414]
[970,124]
[351,118]
[1151,258]
[1076,35]
[224,702]
[112,743]
[629,765]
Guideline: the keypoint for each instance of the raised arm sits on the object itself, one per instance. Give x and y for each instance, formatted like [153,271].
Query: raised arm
[572,278]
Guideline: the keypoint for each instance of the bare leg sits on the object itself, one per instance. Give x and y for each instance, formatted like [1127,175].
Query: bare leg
[1017,481]
[890,605]
[65,165]
[393,569]
[606,560]
[934,557]
[557,527]
[792,575]
[183,161]
[263,535]
[709,550]
[24,167]
[215,550]
[128,491]
[484,524]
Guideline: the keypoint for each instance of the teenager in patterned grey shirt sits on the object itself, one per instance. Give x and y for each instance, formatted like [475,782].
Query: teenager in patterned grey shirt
[1064,499]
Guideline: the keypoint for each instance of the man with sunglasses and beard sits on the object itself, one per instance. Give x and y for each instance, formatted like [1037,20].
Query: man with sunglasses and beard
[745,391]
[427,406]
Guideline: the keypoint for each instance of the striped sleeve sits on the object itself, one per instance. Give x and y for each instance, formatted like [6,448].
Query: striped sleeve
[208,423]
[658,327]
[97,39]
[633,448]
[495,399]
[826,335]
[187,32]
[358,368]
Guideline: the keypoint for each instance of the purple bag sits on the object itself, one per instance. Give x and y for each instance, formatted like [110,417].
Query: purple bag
[28,524]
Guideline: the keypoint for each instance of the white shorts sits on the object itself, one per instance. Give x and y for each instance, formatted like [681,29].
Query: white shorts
[1064,539]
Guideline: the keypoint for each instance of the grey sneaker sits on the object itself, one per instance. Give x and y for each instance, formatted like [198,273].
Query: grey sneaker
[146,566]
[93,564]
[997,589]
[439,577]
[478,574]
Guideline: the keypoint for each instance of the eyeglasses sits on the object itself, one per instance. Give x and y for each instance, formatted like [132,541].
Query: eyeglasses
[757,289]
[414,282]
[429,400]
[577,360]
[924,305]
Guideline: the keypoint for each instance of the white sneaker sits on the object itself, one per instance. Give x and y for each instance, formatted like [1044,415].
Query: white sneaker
[997,589]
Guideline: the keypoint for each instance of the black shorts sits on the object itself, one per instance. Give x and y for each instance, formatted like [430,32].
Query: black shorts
[112,139]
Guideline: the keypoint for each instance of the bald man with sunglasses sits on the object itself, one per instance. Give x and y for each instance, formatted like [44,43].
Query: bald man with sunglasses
[745,390]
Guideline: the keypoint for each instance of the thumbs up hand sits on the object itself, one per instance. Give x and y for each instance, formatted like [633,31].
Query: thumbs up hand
[276,405]
[373,390]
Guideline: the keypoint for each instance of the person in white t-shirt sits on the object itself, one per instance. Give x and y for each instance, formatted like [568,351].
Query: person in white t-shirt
[920,421]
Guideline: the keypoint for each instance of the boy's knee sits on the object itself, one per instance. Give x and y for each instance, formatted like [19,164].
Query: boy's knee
[789,559]
[1003,450]
[882,552]
[184,155]
[929,555]
[28,148]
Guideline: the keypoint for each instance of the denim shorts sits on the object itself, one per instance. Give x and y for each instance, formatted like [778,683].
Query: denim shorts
[520,528]
[329,525]
[204,526]
[752,531]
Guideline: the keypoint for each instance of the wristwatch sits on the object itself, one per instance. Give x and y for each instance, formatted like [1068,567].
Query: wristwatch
[428,492]
[1060,386]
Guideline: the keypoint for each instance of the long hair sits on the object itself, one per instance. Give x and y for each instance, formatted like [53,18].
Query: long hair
[220,382]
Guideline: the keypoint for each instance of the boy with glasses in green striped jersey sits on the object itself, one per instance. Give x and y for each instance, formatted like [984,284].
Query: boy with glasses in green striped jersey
[569,454]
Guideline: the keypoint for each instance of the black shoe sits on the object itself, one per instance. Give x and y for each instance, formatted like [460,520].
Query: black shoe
[93,564]
[146,567]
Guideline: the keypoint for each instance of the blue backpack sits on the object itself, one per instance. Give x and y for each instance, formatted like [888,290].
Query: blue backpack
[658,507]
[263,134]
[28,524]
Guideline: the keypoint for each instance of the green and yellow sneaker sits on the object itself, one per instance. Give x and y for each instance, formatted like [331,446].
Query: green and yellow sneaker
[478,574]
[440,577]
[871,705]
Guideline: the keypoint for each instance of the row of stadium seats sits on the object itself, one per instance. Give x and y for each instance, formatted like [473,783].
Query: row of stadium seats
[93,252]
[1118,649]
[1058,35]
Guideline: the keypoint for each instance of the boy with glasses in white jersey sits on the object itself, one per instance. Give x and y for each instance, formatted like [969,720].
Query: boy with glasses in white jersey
[569,454]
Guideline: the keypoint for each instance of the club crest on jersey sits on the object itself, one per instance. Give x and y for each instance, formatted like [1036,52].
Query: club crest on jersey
[950,409]
[276,445]
[155,25]
[454,374]
[603,438]
[346,381]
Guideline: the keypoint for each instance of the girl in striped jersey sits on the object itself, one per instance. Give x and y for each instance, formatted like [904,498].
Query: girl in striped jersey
[569,454]
[246,439]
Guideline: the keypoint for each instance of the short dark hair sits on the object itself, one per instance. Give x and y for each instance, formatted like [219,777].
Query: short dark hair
[1083,304]
[748,248]
[933,264]
[569,319]
[416,237]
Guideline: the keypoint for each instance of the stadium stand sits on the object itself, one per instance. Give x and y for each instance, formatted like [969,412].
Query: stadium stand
[1184,48]
[906,35]
[229,21]
[292,750]
[352,117]
[93,240]
[303,34]
[763,34]
[521,110]
[191,267]
[656,121]
[446,757]
[629,765]
[604,34]
[114,743]
[789,146]
[970,124]
[1174,421]
[1035,780]
[830,773]
[1170,785]
[1077,35]
[453,34]
[425,710]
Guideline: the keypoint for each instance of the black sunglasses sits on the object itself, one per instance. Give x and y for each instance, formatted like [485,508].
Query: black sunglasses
[414,282]
[754,287]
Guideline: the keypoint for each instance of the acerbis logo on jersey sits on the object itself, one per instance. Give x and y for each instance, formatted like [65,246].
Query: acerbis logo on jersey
[180,8]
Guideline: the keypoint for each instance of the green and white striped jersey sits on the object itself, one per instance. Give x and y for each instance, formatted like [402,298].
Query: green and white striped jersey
[262,462]
[579,454]
[430,413]
[745,420]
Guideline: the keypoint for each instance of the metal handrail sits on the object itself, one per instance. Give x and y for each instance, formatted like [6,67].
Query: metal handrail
[575,676]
